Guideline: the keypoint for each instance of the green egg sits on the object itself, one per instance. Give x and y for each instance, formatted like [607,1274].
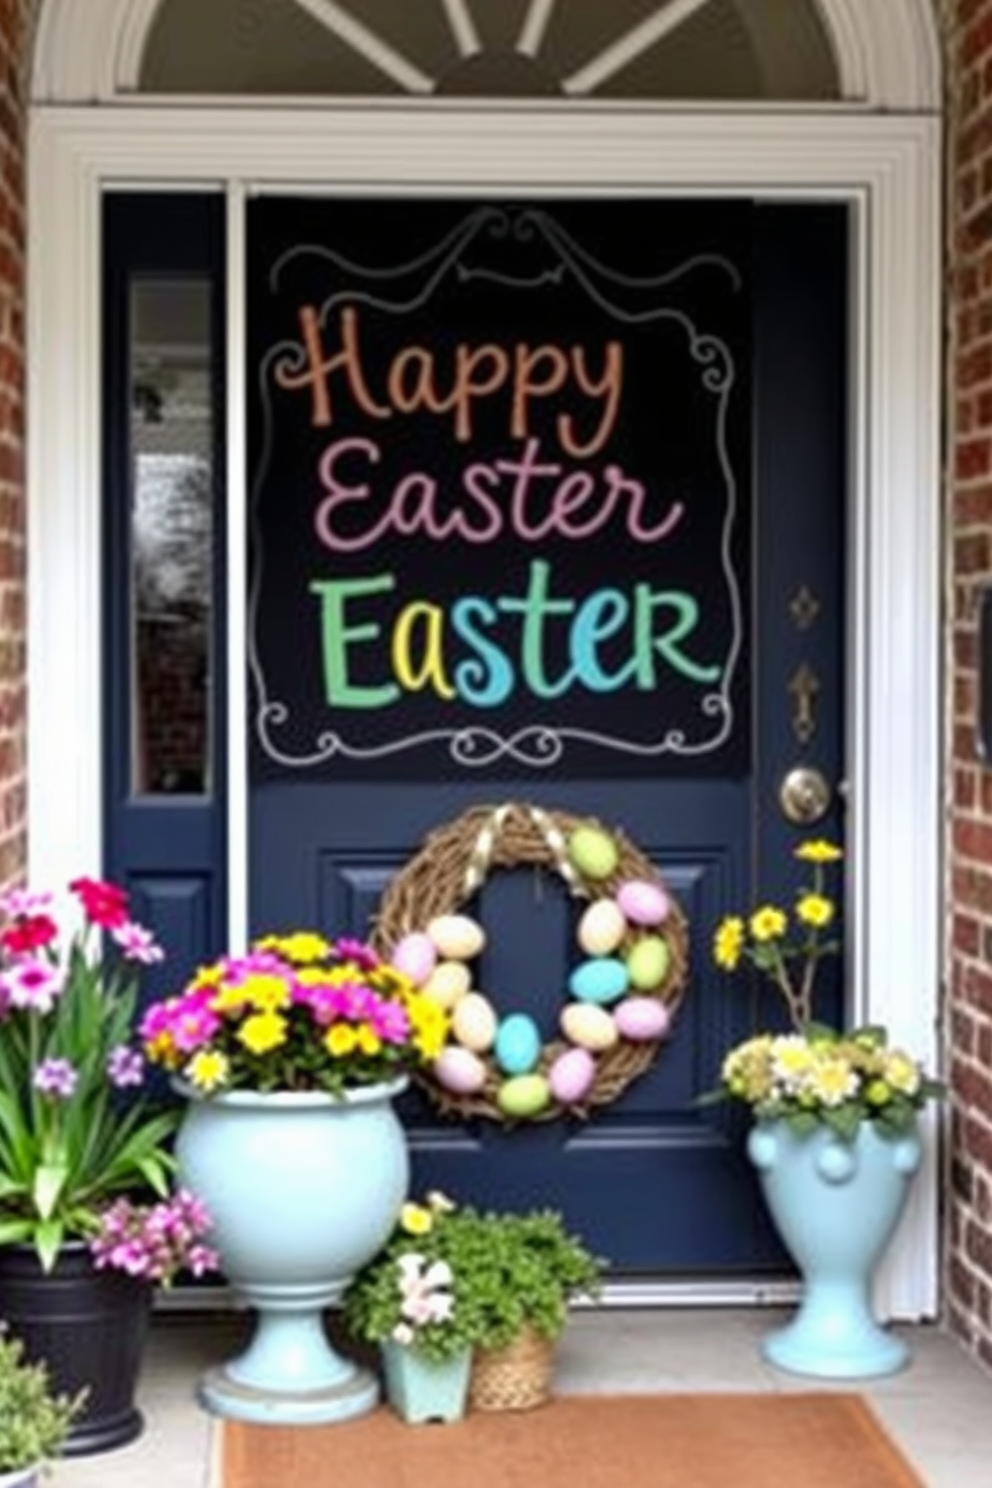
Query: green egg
[593,852]
[523,1095]
[648,962]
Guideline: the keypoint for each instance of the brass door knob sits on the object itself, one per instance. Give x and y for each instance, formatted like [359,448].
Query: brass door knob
[805,795]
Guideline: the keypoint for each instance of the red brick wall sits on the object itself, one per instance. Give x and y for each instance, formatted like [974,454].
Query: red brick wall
[968,1267]
[14,26]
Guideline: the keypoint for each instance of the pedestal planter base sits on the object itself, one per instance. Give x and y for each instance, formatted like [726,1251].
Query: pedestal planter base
[356,1394]
[303,1189]
[836,1205]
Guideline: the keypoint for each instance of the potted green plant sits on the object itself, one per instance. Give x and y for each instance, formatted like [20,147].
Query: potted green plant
[34,1420]
[834,1139]
[454,1279]
[79,1132]
[416,1301]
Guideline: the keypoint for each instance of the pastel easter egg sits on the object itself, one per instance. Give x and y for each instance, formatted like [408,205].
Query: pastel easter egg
[415,956]
[642,1018]
[448,983]
[601,928]
[643,903]
[571,1075]
[456,937]
[600,979]
[459,1070]
[518,1044]
[588,1026]
[524,1096]
[593,852]
[648,962]
[473,1022]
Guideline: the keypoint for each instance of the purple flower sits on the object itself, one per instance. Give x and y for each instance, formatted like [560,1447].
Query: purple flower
[358,951]
[137,943]
[125,1066]
[55,1077]
[33,984]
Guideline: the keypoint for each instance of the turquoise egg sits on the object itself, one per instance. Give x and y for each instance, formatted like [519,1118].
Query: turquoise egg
[600,979]
[518,1044]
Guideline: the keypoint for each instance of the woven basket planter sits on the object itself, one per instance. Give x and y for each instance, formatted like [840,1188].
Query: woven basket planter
[517,1377]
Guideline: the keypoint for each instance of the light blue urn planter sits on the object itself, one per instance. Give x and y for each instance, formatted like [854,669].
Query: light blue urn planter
[422,1389]
[303,1189]
[836,1206]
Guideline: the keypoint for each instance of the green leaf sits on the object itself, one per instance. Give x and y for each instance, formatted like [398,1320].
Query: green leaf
[49,1237]
[49,1183]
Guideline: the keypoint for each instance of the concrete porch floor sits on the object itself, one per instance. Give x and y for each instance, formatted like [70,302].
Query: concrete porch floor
[939,1409]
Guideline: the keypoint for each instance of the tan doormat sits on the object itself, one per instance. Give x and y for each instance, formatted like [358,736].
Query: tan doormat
[782,1440]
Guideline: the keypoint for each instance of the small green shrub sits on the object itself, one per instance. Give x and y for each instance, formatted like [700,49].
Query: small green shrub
[450,1278]
[34,1421]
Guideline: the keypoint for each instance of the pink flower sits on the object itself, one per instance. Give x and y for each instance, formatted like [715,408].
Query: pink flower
[32,984]
[24,903]
[137,943]
[348,949]
[104,904]
[28,933]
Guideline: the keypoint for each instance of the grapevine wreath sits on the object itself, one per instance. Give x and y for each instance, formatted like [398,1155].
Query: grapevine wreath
[621,996]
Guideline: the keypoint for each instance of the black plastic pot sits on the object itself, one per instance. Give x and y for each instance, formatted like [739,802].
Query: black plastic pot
[89,1327]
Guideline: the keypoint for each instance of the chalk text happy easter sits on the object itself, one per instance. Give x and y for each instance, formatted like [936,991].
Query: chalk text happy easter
[552,479]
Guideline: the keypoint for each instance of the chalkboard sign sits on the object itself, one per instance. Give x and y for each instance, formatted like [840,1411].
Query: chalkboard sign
[500,487]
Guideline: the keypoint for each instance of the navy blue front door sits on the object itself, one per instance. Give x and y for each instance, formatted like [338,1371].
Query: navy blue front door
[470,480]
[412,592]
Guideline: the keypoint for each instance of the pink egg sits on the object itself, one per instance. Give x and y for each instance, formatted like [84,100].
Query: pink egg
[571,1075]
[641,1018]
[414,955]
[459,1070]
[643,903]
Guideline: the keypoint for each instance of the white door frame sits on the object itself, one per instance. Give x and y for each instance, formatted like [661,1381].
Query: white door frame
[886,165]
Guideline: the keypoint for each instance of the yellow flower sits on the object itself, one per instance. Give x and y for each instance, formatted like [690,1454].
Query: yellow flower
[340,1040]
[833,1081]
[902,1073]
[266,992]
[818,851]
[208,1069]
[768,923]
[815,910]
[368,1040]
[429,1022]
[228,1000]
[262,1032]
[728,943]
[415,1219]
[792,1060]
[877,1093]
[390,982]
[299,948]
[161,1050]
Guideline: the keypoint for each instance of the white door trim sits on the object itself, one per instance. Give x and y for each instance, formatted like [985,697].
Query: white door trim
[887,165]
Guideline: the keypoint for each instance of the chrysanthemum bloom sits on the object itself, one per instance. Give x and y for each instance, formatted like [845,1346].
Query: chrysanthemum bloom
[728,943]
